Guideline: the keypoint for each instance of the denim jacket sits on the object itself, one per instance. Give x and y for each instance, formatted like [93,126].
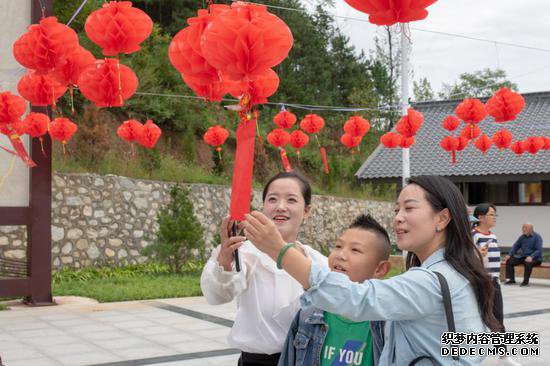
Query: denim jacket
[306,337]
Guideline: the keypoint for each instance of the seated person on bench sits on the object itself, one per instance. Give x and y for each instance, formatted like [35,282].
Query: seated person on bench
[527,250]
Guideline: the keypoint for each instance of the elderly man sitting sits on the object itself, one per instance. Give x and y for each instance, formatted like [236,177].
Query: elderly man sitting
[527,250]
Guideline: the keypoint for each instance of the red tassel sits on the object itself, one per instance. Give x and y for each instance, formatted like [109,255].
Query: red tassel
[241,188]
[324,155]
[286,162]
[19,148]
[453,154]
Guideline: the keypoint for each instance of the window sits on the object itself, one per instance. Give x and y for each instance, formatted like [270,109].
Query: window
[530,192]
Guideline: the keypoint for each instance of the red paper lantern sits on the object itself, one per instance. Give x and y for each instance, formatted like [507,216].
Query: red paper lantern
[130,130]
[518,147]
[62,129]
[390,140]
[108,83]
[389,12]
[450,144]
[357,126]
[17,128]
[260,87]
[471,111]
[462,143]
[285,119]
[502,139]
[36,124]
[68,71]
[505,105]
[245,41]
[215,136]
[451,123]
[213,91]
[312,123]
[409,125]
[471,131]
[534,143]
[546,143]
[298,140]
[118,27]
[483,143]
[407,142]
[12,107]
[45,45]
[149,135]
[278,137]
[350,141]
[40,89]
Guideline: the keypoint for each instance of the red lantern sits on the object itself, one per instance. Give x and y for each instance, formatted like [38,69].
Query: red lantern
[215,136]
[450,144]
[45,45]
[12,107]
[357,126]
[407,142]
[389,12]
[260,87]
[502,139]
[284,119]
[68,71]
[213,91]
[18,128]
[108,83]
[312,123]
[471,131]
[546,143]
[118,27]
[278,137]
[505,105]
[409,125]
[245,41]
[471,111]
[40,89]
[298,140]
[483,143]
[130,130]
[534,143]
[62,129]
[350,141]
[150,134]
[451,123]
[518,147]
[462,143]
[390,140]
[36,124]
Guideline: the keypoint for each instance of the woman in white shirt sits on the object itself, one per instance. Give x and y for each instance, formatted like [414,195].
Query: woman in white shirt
[267,297]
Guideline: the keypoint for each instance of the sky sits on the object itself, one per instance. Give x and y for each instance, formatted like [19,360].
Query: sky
[442,59]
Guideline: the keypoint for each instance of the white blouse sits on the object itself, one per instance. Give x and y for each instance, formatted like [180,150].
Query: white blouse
[267,298]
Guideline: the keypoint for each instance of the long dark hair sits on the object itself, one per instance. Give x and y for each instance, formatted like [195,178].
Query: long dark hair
[460,250]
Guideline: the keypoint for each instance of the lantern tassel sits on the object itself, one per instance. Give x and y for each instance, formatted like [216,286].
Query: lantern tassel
[219,150]
[19,148]
[325,163]
[284,159]
[453,154]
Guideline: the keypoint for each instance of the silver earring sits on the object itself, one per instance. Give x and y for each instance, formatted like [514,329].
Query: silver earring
[437,229]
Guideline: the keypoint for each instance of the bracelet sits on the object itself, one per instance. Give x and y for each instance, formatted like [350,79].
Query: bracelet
[282,253]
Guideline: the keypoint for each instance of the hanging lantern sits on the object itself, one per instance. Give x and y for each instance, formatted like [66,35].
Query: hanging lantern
[502,139]
[130,130]
[534,143]
[409,125]
[483,143]
[245,41]
[62,129]
[216,136]
[407,142]
[546,143]
[505,105]
[518,147]
[258,88]
[471,110]
[350,141]
[118,27]
[389,12]
[68,71]
[390,140]
[298,140]
[12,107]
[18,128]
[278,137]
[451,123]
[450,144]
[285,119]
[45,45]
[471,131]
[149,135]
[357,126]
[40,89]
[213,91]
[312,123]
[462,143]
[36,124]
[108,83]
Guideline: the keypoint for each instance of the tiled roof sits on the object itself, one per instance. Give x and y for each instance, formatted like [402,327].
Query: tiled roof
[427,156]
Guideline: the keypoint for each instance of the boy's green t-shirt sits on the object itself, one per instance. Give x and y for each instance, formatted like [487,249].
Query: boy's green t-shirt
[347,343]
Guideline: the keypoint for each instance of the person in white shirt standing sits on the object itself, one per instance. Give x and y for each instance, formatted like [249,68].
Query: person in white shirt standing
[487,243]
[267,297]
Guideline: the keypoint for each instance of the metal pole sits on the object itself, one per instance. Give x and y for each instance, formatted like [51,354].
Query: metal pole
[405,50]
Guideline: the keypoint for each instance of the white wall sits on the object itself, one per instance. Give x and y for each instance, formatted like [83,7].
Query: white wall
[511,218]
[15,17]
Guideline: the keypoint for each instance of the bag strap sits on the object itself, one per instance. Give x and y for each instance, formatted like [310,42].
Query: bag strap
[446,293]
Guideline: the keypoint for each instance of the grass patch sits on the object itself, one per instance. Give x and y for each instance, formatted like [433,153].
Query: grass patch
[4,307]
[394,272]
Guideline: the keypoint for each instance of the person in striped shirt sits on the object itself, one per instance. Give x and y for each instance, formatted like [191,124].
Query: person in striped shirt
[487,243]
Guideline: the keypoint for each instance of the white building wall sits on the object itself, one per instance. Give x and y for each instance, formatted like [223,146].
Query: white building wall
[511,218]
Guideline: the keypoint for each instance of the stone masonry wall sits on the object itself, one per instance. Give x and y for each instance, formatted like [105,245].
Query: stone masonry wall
[109,219]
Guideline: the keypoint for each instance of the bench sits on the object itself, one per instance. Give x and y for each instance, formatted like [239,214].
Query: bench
[541,271]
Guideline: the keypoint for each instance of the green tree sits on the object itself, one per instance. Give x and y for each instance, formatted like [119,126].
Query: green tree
[478,84]
[179,232]
[422,90]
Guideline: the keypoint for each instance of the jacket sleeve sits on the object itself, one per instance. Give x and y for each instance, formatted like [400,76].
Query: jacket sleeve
[219,286]
[288,353]
[515,247]
[538,247]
